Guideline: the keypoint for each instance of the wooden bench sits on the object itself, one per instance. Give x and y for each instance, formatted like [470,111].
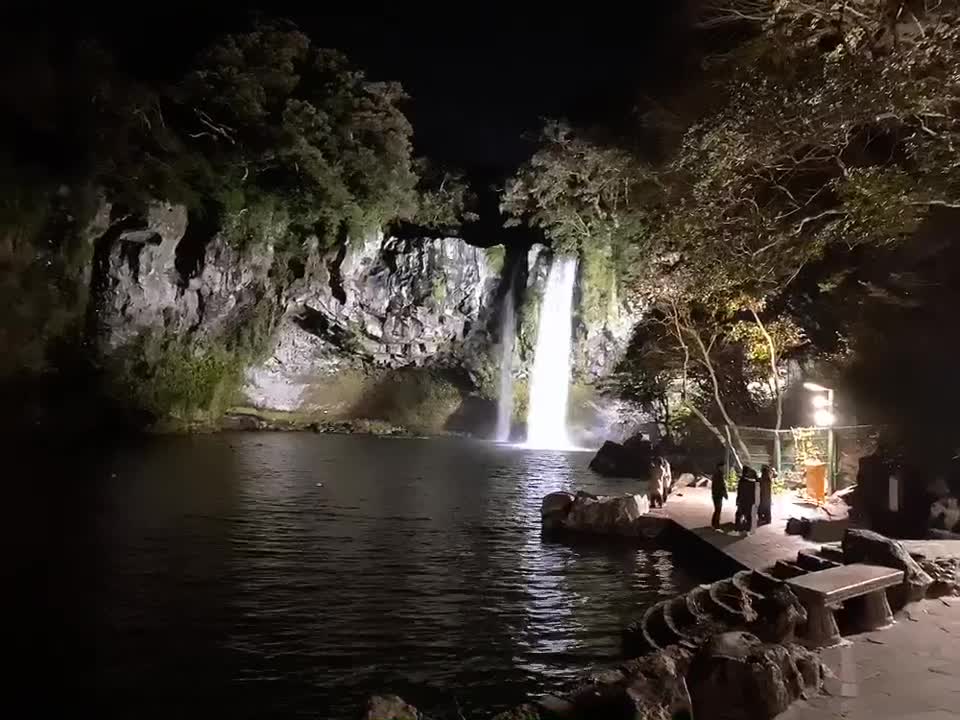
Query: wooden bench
[824,591]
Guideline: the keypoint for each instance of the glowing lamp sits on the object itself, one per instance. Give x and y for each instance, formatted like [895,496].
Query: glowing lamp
[824,418]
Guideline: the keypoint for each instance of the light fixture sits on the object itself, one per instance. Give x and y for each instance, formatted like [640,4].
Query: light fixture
[824,418]
[814,387]
[821,401]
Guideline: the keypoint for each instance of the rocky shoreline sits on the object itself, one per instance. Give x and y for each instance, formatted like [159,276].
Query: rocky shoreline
[728,649]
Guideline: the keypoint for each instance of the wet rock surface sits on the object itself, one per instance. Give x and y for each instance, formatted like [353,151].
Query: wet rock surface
[749,600]
[731,675]
[866,546]
[593,514]
[735,676]
[390,707]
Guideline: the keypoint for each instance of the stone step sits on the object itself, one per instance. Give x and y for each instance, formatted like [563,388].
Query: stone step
[743,581]
[785,570]
[730,600]
[763,583]
[814,563]
[832,552]
[656,627]
[635,639]
[680,619]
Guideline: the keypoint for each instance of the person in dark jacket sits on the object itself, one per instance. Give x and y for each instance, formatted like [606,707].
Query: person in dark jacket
[764,514]
[718,488]
[747,500]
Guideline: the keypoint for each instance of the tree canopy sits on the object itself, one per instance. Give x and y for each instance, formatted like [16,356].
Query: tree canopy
[833,138]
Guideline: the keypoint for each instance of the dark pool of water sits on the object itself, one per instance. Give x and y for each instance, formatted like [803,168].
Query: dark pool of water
[291,575]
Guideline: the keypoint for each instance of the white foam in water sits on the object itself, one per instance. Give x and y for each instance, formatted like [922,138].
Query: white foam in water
[550,380]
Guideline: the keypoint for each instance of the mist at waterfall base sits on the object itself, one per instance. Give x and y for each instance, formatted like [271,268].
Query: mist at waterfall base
[550,377]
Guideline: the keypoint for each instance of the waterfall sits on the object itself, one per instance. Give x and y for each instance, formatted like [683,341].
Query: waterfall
[508,336]
[550,380]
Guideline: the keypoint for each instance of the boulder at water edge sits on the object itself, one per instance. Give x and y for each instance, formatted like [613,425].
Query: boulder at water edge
[554,509]
[390,707]
[602,515]
[865,546]
[652,688]
[635,458]
[737,677]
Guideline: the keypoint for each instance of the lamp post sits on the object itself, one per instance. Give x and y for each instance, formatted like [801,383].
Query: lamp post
[824,416]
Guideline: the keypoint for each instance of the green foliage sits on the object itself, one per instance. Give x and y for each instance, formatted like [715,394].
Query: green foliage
[591,200]
[835,134]
[439,290]
[421,400]
[598,283]
[521,399]
[44,281]
[445,200]
[279,143]
[731,481]
[277,117]
[496,256]
[174,381]
[578,192]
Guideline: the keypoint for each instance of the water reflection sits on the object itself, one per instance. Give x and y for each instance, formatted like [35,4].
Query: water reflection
[417,567]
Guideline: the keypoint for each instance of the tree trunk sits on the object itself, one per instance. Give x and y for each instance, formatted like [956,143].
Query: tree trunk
[708,363]
[716,431]
[775,381]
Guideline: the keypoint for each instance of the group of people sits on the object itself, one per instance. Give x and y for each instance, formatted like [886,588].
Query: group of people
[754,497]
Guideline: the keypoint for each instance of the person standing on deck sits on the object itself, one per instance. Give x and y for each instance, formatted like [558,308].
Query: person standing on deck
[747,500]
[764,514]
[718,488]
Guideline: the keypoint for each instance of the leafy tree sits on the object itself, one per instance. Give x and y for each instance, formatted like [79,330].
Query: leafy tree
[273,140]
[279,118]
[446,201]
[836,130]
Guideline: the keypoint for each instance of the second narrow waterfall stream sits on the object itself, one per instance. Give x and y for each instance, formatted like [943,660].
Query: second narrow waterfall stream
[550,379]
[508,334]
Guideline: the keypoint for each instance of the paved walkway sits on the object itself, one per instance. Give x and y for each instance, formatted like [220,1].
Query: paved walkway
[909,672]
[692,509]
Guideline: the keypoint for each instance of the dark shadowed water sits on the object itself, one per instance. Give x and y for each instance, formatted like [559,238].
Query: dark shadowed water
[213,576]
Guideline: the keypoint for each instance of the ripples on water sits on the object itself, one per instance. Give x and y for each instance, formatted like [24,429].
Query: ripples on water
[213,574]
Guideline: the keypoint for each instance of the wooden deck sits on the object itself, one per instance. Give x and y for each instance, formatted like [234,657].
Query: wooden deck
[692,508]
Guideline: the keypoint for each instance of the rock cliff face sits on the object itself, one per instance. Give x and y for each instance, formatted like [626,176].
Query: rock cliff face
[150,282]
[380,302]
[336,323]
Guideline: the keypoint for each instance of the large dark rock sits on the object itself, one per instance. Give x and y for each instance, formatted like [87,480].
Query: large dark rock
[615,460]
[779,613]
[652,688]
[554,510]
[945,573]
[635,458]
[865,546]
[522,712]
[735,676]
[390,707]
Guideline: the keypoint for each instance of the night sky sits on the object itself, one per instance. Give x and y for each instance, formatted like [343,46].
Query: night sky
[481,81]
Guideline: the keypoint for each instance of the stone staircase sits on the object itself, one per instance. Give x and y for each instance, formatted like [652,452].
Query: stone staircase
[749,600]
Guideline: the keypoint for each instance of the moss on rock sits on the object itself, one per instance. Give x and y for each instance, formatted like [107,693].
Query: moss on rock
[416,398]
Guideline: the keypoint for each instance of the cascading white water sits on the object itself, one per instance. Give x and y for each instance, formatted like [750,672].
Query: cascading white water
[508,335]
[550,381]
